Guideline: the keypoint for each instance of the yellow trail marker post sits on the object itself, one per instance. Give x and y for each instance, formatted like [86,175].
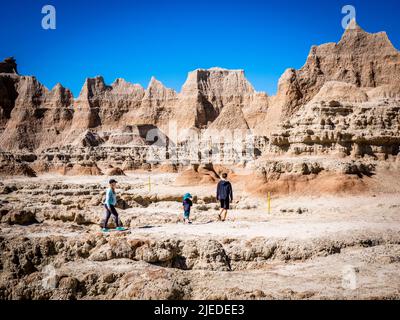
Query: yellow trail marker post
[269,202]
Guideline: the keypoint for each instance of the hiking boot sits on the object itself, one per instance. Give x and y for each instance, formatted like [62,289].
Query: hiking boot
[105,230]
[120,229]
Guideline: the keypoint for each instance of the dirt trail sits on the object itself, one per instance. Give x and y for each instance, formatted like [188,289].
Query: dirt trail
[306,248]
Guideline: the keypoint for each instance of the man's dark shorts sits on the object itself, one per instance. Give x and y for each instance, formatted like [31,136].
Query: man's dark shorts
[224,203]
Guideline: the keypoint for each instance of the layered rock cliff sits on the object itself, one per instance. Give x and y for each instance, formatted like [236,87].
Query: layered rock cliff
[33,116]
[359,58]
[344,102]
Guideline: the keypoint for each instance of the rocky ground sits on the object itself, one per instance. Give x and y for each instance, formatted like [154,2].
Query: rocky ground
[307,247]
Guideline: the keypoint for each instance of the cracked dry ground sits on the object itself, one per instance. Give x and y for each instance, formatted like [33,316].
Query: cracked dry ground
[307,248]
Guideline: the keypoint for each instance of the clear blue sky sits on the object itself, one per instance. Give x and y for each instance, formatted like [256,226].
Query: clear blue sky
[137,39]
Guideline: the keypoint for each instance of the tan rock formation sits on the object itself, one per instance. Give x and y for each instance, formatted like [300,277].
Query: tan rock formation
[207,92]
[359,58]
[9,65]
[37,117]
[342,103]
[115,171]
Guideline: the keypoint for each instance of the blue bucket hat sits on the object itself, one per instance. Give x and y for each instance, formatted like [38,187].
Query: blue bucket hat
[187,196]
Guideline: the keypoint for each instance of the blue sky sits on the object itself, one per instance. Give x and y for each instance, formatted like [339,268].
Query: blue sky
[137,39]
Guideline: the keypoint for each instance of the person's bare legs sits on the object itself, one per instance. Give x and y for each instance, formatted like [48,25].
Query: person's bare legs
[225,211]
[220,214]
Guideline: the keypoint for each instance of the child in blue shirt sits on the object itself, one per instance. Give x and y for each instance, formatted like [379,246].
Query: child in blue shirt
[109,205]
[187,204]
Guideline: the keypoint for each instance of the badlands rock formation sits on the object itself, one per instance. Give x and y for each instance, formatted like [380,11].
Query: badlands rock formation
[359,58]
[343,103]
[9,65]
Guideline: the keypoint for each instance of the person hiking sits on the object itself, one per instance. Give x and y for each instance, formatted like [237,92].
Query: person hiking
[109,204]
[187,204]
[224,195]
